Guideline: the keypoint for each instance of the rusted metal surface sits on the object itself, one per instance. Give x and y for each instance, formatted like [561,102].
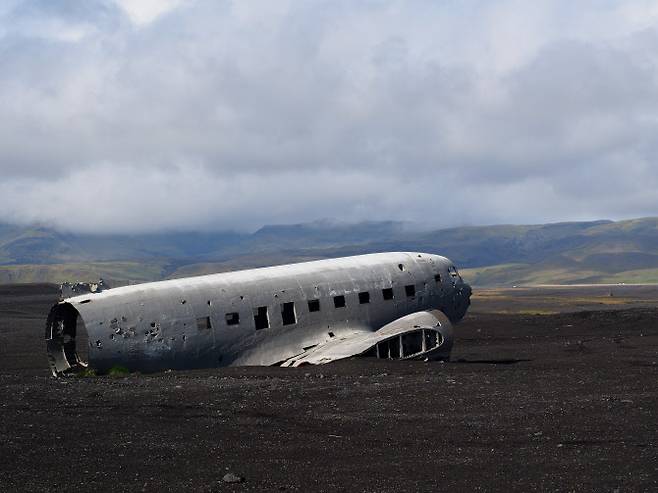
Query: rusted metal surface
[306,313]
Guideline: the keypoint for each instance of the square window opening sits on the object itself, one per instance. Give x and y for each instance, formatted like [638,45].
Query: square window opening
[387,293]
[364,298]
[203,323]
[232,318]
[288,315]
[313,305]
[410,290]
[261,319]
[339,301]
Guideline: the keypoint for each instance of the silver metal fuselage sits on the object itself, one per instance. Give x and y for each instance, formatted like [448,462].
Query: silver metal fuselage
[251,317]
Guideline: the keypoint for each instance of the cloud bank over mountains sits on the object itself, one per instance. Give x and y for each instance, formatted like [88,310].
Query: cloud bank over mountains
[135,116]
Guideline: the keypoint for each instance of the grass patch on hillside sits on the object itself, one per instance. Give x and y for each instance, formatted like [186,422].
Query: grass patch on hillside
[540,300]
[524,274]
[58,273]
[239,263]
[642,276]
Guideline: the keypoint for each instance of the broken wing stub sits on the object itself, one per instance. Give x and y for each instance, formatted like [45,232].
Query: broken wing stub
[420,335]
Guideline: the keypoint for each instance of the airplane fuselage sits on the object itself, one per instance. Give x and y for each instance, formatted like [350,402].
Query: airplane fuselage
[253,317]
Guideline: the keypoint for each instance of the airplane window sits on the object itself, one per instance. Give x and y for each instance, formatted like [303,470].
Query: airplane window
[339,301]
[410,290]
[313,305]
[203,323]
[437,278]
[364,297]
[387,293]
[232,318]
[261,319]
[288,316]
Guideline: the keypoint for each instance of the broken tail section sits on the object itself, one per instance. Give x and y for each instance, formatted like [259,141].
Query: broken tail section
[67,341]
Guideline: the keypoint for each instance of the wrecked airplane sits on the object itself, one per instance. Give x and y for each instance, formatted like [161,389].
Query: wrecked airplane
[384,305]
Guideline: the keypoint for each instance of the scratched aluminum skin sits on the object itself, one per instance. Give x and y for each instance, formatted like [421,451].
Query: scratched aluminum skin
[185,323]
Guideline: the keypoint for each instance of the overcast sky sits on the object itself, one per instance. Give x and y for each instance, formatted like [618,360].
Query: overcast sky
[130,116]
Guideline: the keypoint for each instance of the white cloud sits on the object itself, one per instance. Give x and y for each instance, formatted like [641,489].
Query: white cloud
[237,114]
[143,12]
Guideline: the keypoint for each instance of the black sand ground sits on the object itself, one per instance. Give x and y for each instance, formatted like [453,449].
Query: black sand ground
[565,402]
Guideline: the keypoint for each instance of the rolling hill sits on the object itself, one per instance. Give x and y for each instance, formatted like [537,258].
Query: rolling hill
[563,253]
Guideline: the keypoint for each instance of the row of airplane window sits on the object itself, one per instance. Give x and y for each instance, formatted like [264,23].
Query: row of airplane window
[288,314]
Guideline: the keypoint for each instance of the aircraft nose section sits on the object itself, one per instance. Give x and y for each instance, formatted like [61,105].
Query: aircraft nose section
[468,291]
[461,300]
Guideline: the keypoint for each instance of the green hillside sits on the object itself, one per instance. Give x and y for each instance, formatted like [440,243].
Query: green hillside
[115,273]
[502,255]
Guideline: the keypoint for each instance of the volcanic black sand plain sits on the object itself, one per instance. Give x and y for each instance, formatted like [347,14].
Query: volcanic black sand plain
[549,389]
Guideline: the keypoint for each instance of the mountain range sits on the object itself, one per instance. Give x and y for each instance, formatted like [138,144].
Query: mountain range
[502,255]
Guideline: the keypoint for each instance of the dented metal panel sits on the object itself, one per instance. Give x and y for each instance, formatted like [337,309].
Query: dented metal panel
[209,321]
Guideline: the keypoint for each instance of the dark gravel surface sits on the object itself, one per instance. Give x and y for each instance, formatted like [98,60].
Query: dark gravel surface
[564,402]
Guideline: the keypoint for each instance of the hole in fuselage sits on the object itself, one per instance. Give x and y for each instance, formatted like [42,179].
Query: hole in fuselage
[67,340]
[410,344]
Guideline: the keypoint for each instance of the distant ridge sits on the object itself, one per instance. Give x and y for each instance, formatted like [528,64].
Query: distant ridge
[558,253]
